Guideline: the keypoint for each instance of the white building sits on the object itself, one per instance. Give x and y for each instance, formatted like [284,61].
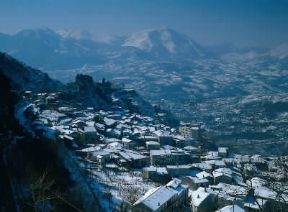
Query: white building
[165,198]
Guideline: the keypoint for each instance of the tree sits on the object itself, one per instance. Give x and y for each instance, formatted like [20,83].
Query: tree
[44,194]
[280,188]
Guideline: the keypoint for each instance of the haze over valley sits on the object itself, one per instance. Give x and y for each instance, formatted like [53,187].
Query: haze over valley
[141,106]
[196,83]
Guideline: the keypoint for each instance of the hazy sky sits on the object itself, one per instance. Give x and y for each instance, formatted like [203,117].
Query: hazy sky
[241,22]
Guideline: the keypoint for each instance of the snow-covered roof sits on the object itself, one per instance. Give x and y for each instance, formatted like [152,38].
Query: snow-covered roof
[109,122]
[155,198]
[256,182]
[111,140]
[152,143]
[101,153]
[216,162]
[265,193]
[166,152]
[115,145]
[231,208]
[52,115]
[222,149]
[90,149]
[90,129]
[198,196]
[126,140]
[232,190]
[159,170]
[203,166]
[211,156]
[90,123]
[174,183]
[197,180]
[67,137]
[222,171]
[131,155]
[100,126]
[203,174]
[190,148]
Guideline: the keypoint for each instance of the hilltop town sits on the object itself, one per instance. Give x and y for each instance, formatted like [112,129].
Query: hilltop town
[134,162]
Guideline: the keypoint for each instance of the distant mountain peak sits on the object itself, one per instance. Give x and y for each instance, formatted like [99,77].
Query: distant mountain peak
[147,39]
[164,41]
[36,32]
[76,34]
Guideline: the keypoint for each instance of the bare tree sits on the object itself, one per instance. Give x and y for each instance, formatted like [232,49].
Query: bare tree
[280,188]
[43,193]
[251,190]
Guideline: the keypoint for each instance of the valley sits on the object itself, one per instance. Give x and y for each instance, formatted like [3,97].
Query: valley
[175,73]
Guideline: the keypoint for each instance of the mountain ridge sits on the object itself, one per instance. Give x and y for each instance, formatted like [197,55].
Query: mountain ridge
[49,50]
[24,77]
[165,41]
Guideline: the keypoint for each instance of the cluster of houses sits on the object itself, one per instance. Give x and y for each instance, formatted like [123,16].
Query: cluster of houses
[222,181]
[189,178]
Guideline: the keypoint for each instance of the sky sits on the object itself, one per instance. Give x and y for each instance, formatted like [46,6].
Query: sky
[242,23]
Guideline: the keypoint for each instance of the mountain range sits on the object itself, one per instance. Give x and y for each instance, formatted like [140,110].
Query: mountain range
[158,63]
[196,83]
[49,50]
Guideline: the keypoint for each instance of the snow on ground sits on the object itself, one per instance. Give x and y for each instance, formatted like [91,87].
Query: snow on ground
[128,186]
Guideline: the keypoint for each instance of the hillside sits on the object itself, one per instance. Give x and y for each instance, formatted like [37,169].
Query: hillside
[24,77]
[36,164]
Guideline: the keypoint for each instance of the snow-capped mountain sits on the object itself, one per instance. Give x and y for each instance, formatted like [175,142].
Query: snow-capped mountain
[46,49]
[165,43]
[66,49]
[39,33]
[76,34]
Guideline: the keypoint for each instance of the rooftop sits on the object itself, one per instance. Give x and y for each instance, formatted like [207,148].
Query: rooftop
[231,208]
[154,198]
[199,196]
